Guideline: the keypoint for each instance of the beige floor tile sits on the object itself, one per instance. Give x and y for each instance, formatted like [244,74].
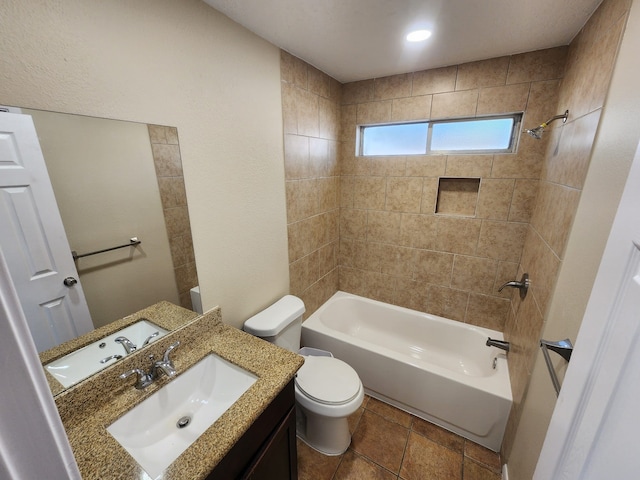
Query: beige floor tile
[390,413]
[356,467]
[483,455]
[380,440]
[313,465]
[438,434]
[475,471]
[425,459]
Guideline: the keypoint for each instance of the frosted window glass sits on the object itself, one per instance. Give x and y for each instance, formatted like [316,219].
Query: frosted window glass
[491,134]
[404,139]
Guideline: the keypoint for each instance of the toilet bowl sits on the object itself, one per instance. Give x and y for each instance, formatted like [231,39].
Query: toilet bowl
[327,390]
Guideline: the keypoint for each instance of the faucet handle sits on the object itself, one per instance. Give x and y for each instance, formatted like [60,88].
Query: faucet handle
[143,379]
[171,348]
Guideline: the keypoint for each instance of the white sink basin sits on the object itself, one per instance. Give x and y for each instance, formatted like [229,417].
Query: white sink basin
[151,433]
[85,361]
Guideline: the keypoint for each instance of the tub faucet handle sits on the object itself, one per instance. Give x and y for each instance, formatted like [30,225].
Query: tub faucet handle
[522,285]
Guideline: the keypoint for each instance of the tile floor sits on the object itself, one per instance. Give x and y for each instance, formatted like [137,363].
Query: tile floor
[390,444]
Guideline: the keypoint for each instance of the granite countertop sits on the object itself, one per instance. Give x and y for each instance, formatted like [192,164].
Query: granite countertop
[163,314]
[89,407]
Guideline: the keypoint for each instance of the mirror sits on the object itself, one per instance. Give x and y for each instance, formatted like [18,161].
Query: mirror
[115,180]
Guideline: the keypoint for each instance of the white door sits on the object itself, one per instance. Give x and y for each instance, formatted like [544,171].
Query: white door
[594,427]
[33,239]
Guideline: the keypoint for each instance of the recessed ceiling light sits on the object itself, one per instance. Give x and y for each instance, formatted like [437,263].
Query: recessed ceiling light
[418,35]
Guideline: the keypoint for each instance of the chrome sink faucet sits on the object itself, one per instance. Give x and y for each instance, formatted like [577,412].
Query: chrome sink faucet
[128,345]
[144,379]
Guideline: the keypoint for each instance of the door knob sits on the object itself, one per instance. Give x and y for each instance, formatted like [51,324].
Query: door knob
[70,281]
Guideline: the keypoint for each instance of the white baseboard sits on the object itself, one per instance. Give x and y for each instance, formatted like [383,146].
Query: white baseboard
[505,472]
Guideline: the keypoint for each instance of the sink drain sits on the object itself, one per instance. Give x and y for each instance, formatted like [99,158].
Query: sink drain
[183,422]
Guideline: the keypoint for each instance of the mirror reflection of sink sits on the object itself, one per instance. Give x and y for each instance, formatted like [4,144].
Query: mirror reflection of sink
[86,361]
[164,425]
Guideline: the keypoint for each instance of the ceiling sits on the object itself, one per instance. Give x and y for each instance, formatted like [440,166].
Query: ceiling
[361,39]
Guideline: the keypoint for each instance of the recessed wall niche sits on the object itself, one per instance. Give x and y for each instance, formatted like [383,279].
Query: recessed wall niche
[458,196]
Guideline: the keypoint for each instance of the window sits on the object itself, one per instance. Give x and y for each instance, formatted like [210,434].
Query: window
[496,134]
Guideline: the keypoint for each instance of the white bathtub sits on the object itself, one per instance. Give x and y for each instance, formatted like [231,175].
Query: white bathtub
[434,368]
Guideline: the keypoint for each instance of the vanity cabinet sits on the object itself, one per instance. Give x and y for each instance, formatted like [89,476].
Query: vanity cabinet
[267,451]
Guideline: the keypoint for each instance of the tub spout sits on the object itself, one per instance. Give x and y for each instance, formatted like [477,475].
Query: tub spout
[498,343]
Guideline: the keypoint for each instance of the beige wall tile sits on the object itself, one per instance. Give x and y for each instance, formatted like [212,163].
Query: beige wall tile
[397,261]
[348,120]
[383,226]
[293,70]
[494,199]
[426,165]
[570,151]
[302,199]
[318,156]
[542,265]
[387,166]
[469,166]
[327,258]
[172,192]
[353,223]
[346,191]
[474,274]
[177,221]
[335,90]
[447,302]
[412,108]
[433,267]
[429,195]
[357,92]
[411,294]
[404,194]
[487,311]
[303,272]
[379,286]
[437,80]
[454,104]
[458,235]
[395,86]
[526,163]
[539,65]
[167,160]
[296,157]
[328,193]
[374,112]
[508,98]
[157,133]
[418,230]
[308,114]
[485,73]
[319,82]
[328,119]
[369,192]
[524,199]
[458,196]
[352,280]
[502,240]
[289,108]
[554,223]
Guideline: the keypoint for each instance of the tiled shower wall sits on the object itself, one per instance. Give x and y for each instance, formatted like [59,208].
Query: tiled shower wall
[311,116]
[393,245]
[582,91]
[167,160]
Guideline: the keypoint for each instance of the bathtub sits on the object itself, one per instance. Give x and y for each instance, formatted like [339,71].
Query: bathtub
[435,368]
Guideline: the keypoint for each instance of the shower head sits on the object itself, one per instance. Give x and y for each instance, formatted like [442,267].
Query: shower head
[537,132]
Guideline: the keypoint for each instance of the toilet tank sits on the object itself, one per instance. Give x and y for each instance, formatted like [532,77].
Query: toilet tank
[281,323]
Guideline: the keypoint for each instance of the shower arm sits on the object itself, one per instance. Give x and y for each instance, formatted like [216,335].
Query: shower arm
[563,116]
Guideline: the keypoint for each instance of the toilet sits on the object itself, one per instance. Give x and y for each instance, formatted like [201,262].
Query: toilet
[327,390]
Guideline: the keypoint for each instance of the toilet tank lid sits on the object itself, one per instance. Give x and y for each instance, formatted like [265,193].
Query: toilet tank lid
[272,320]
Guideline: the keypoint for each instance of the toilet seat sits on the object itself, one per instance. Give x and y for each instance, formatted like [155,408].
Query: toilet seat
[328,381]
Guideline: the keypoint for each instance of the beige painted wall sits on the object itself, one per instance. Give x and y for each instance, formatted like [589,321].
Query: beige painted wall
[615,143]
[182,64]
[106,189]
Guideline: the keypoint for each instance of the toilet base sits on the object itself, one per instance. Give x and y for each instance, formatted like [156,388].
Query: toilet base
[329,436]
